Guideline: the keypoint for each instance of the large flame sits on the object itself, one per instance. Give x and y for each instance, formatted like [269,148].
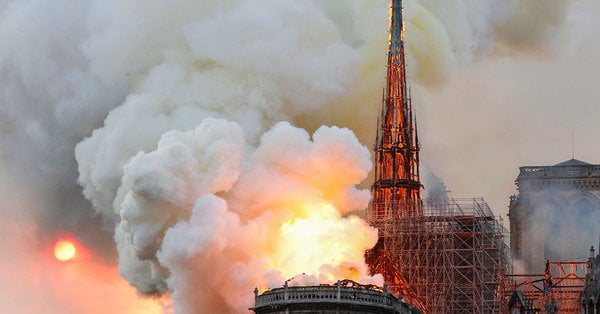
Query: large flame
[316,243]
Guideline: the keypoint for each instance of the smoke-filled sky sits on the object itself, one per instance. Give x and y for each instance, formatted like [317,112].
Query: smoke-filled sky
[151,132]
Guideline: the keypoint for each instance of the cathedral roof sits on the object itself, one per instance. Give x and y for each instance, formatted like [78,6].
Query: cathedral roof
[571,169]
[573,162]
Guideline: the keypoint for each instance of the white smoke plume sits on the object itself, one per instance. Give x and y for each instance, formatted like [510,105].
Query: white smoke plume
[204,191]
[275,217]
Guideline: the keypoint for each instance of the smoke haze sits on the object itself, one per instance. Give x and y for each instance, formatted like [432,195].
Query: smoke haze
[158,125]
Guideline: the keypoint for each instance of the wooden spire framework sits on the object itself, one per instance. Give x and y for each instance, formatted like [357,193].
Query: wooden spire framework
[396,146]
[443,256]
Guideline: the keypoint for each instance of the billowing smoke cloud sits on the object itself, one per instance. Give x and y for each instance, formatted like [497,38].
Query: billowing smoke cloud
[49,101]
[232,223]
[516,111]
[179,96]
[534,26]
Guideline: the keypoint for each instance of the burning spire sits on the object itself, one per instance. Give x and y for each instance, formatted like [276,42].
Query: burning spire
[396,189]
[396,146]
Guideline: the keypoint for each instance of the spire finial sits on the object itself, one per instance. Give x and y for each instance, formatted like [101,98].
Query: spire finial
[396,29]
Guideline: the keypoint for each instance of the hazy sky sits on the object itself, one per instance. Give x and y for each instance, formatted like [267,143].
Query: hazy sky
[88,88]
[506,111]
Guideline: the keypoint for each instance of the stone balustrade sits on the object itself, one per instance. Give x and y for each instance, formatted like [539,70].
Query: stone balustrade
[332,294]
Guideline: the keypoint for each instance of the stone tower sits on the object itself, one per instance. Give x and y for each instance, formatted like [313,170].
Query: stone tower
[555,215]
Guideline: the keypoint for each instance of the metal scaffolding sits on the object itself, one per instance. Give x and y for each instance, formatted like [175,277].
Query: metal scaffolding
[444,254]
[557,290]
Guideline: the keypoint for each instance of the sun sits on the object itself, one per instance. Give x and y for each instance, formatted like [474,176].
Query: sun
[64,250]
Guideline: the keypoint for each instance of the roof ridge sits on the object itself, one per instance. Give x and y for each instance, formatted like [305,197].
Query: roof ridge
[573,162]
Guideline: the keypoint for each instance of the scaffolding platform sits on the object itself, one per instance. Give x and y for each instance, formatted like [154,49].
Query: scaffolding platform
[557,290]
[446,254]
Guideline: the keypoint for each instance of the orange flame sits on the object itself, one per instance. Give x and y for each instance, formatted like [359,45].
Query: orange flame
[319,242]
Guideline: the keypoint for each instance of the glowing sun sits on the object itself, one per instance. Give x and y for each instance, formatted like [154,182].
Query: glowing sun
[64,250]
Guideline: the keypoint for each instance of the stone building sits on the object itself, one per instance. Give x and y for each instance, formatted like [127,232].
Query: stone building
[556,214]
[344,297]
[590,297]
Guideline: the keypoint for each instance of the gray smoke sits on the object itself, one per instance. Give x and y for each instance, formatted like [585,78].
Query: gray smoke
[130,83]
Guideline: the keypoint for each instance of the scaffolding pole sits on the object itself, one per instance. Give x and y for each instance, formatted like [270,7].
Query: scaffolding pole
[558,289]
[448,253]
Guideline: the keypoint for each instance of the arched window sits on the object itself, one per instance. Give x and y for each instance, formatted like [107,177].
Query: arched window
[554,229]
[586,218]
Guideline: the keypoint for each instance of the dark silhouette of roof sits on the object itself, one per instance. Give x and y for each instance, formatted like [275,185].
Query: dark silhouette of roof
[572,162]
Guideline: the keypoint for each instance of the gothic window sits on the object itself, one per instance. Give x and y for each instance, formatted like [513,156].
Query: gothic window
[586,219]
[553,229]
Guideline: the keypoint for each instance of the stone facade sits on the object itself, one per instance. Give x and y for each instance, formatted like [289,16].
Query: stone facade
[556,214]
[345,297]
